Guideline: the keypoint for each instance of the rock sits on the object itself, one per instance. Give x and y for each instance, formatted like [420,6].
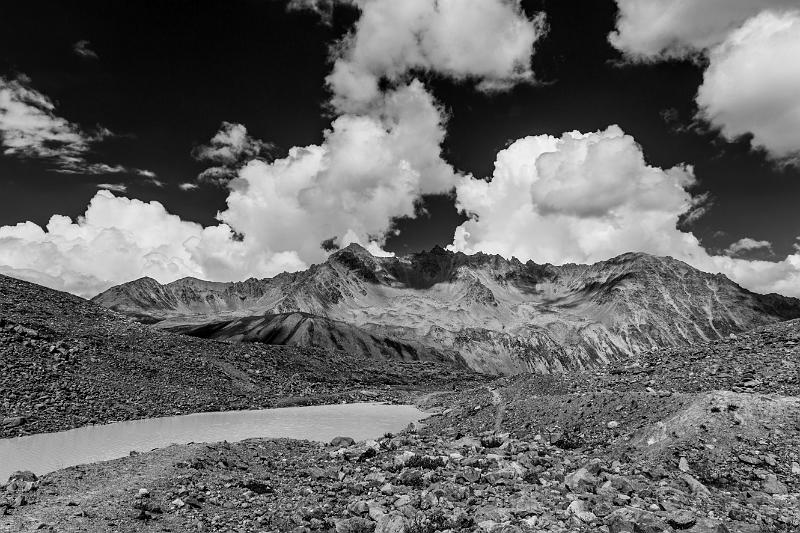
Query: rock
[403,458]
[633,520]
[772,486]
[795,468]
[697,488]
[13,421]
[470,475]
[681,519]
[23,475]
[191,501]
[342,442]
[355,525]
[359,507]
[391,523]
[709,525]
[467,442]
[143,493]
[612,424]
[580,480]
[316,473]
[683,465]
[578,509]
[750,459]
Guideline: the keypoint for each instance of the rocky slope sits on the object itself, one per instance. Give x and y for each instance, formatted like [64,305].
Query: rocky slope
[66,362]
[303,329]
[704,439]
[501,316]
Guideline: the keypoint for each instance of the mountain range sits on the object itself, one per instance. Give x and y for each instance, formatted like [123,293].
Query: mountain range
[495,315]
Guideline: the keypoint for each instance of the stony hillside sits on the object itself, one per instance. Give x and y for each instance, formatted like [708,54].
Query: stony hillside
[66,362]
[701,439]
[501,316]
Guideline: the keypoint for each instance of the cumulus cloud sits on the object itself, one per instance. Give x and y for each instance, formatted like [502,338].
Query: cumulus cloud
[650,30]
[747,244]
[488,41]
[118,240]
[229,149]
[188,186]
[30,128]
[367,172]
[752,84]
[82,49]
[586,197]
[581,197]
[116,187]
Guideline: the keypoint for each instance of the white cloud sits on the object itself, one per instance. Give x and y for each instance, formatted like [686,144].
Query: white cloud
[577,198]
[81,48]
[747,244]
[118,240]
[230,148]
[116,187]
[188,186]
[489,41]
[752,84]
[146,173]
[586,197]
[30,128]
[230,145]
[368,171]
[658,29]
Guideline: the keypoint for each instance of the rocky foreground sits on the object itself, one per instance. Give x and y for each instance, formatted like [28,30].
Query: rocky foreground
[703,439]
[65,363]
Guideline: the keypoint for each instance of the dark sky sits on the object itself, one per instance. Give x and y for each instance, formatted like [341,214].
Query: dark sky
[168,73]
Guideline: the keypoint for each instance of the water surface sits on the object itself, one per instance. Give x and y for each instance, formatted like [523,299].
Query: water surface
[47,452]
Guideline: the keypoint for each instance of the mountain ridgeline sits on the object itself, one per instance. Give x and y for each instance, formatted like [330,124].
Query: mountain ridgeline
[494,315]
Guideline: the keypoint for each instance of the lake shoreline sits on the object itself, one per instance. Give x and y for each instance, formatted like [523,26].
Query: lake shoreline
[48,452]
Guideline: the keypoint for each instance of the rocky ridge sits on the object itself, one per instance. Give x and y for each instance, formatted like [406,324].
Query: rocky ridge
[500,316]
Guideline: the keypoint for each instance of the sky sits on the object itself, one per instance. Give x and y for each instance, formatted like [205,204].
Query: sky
[225,140]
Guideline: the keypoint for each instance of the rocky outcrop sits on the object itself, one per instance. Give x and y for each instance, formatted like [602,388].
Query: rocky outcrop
[501,316]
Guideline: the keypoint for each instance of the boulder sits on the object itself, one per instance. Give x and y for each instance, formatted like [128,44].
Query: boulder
[13,421]
[392,523]
[580,480]
[22,475]
[681,519]
[773,486]
[355,525]
[342,442]
[578,509]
